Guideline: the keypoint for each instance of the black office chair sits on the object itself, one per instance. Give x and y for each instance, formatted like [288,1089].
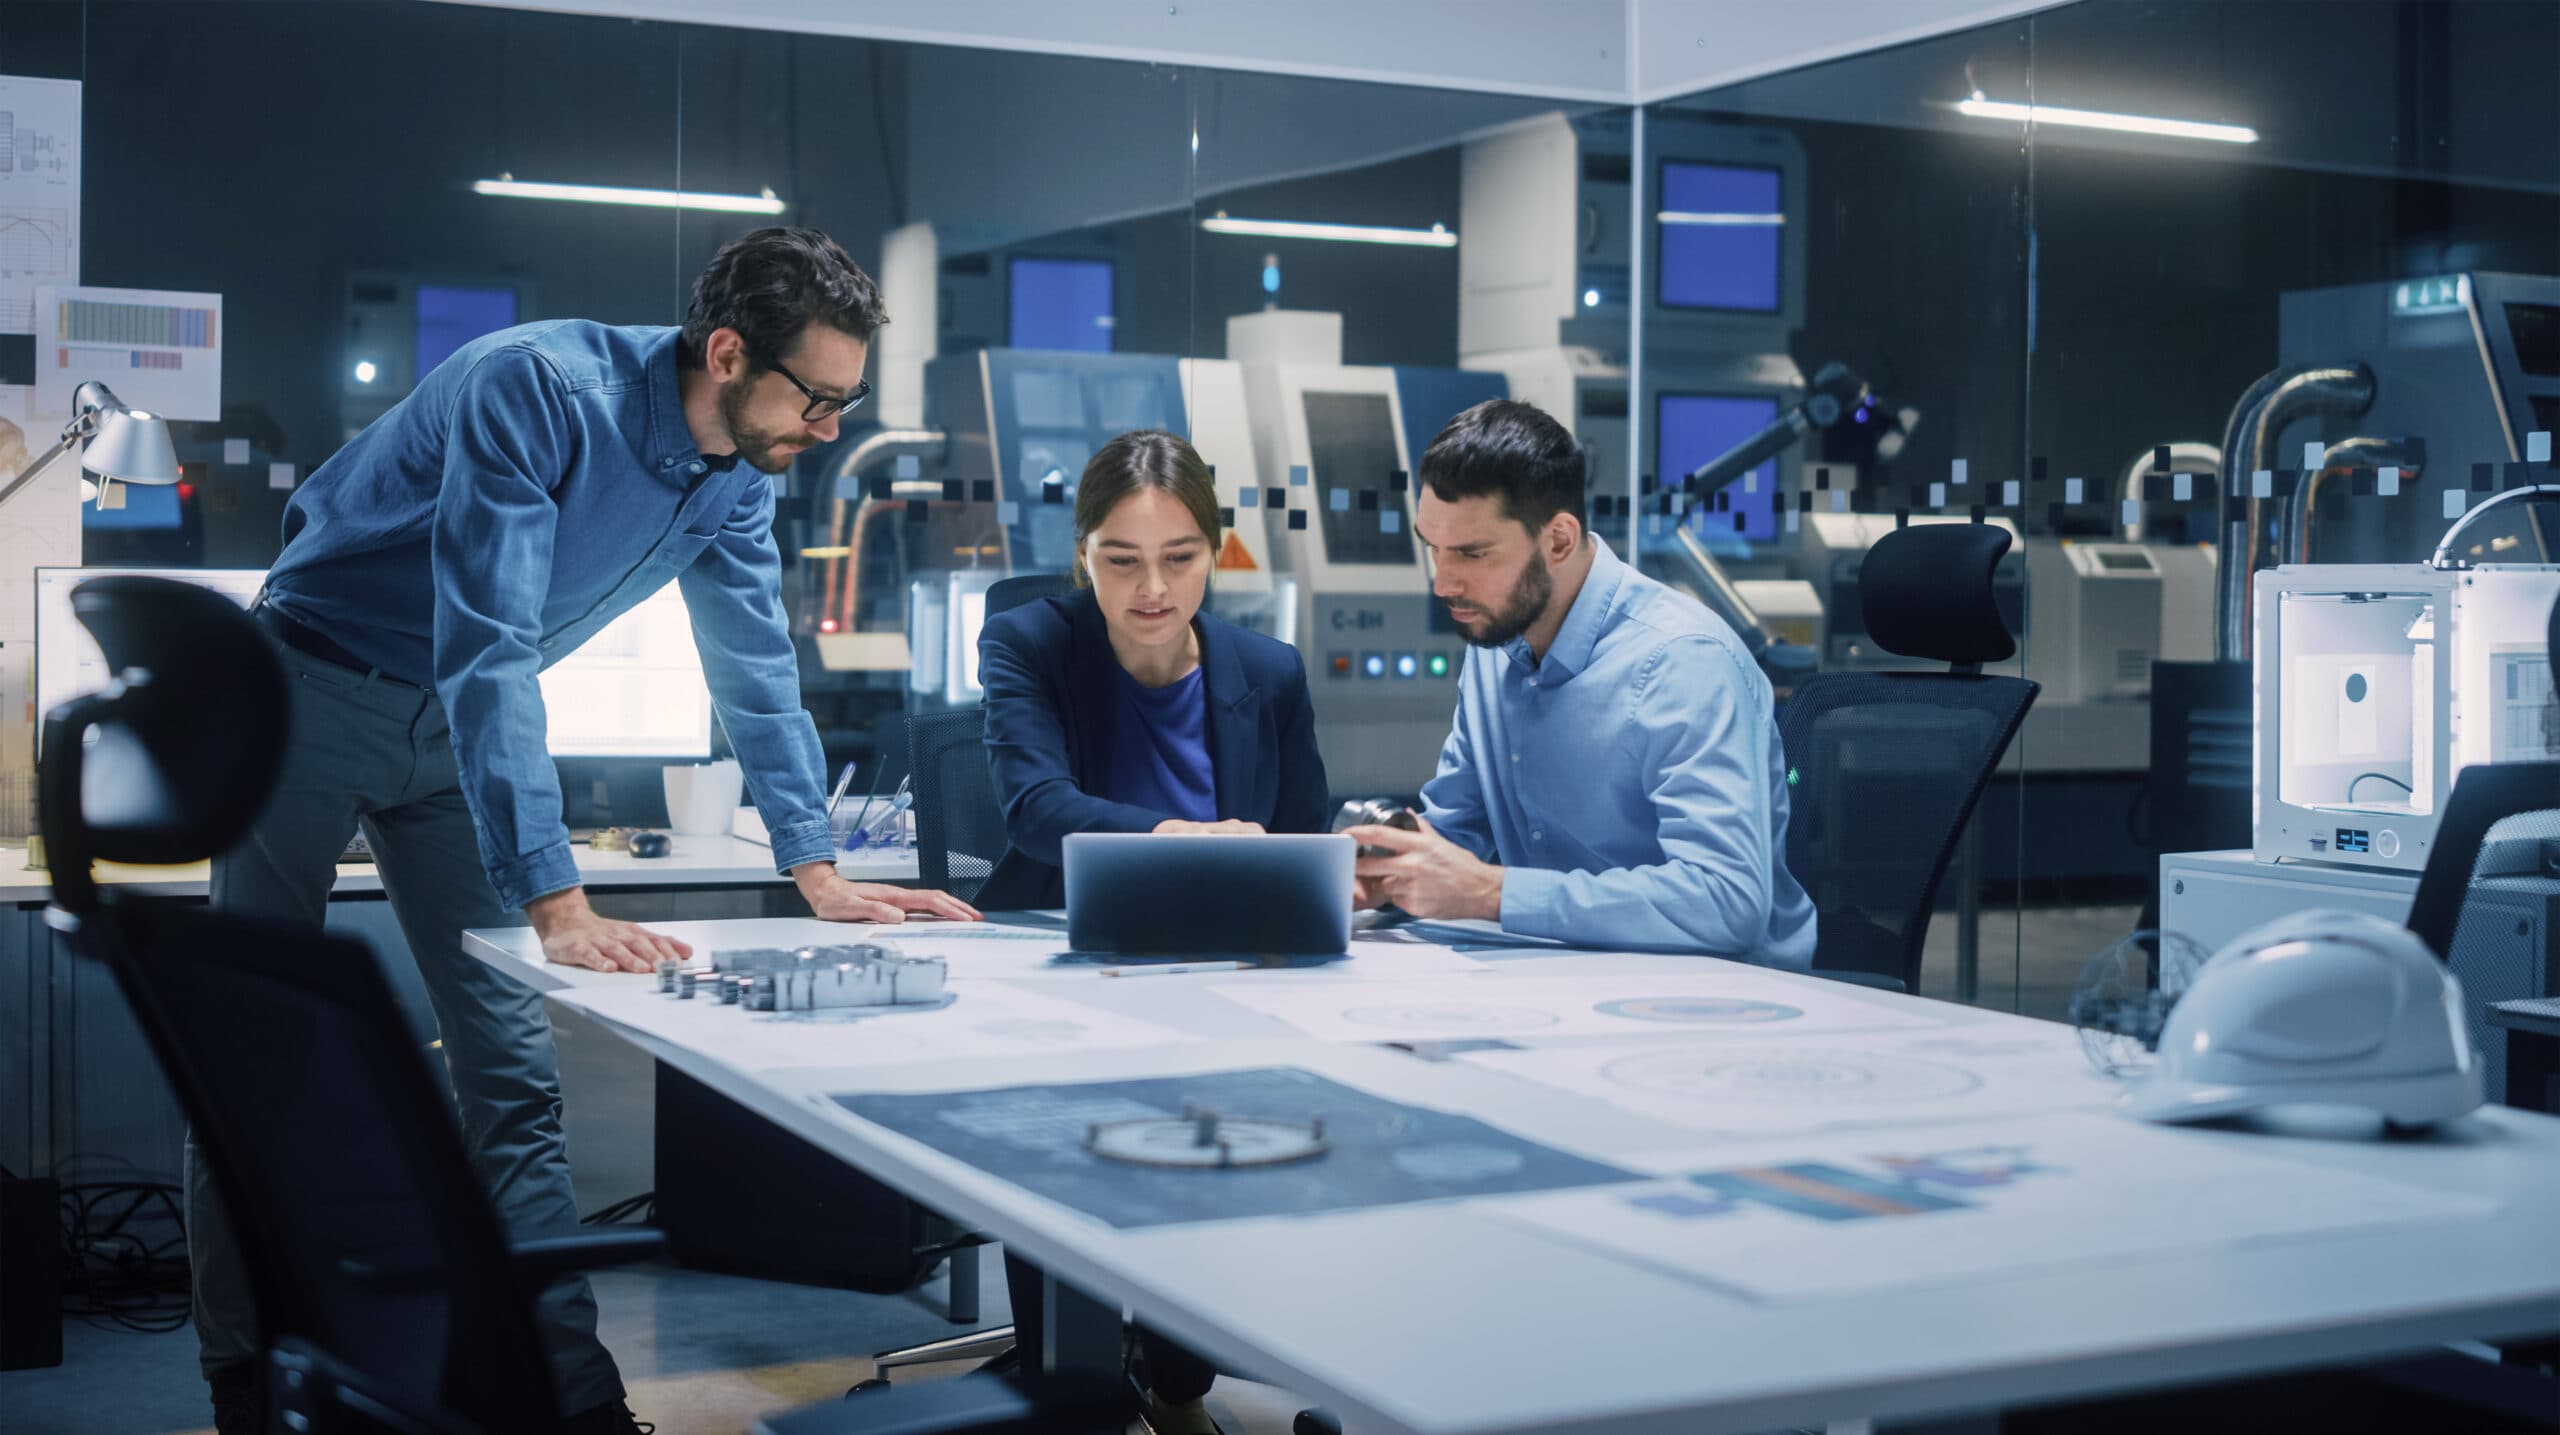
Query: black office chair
[959,828]
[1024,588]
[1887,768]
[389,1297]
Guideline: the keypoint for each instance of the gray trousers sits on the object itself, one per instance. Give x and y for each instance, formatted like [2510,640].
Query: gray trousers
[372,751]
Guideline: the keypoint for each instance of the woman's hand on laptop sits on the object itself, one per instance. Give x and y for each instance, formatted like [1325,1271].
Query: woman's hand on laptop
[1230,827]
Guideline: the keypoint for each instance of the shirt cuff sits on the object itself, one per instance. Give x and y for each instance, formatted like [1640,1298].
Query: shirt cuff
[536,874]
[1529,900]
[802,842]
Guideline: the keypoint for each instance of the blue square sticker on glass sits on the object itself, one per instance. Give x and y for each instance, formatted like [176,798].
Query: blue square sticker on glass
[1391,520]
[1339,500]
[1251,498]
[1297,475]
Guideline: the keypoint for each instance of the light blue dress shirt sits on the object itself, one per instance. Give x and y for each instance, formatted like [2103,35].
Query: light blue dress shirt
[533,488]
[1631,784]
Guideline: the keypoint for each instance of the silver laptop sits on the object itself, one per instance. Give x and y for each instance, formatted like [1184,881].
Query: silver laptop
[1196,895]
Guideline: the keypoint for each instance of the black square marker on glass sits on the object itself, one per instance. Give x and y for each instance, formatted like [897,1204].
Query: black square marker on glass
[2484,477]
[1822,478]
[1804,501]
[1053,492]
[915,510]
[2519,474]
[983,490]
[1226,518]
[1741,521]
[1297,520]
[2360,482]
[880,485]
[1977,513]
[1604,505]
[1275,498]
[1395,480]
[2035,470]
[1902,518]
[953,490]
[2161,462]
[1368,500]
[1724,500]
[2053,516]
[1666,503]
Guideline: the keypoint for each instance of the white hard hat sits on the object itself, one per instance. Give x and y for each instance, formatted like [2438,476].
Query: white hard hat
[2324,1006]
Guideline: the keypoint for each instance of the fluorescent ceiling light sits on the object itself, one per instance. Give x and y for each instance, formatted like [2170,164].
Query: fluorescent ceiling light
[1982,109]
[1436,237]
[1720,219]
[510,186]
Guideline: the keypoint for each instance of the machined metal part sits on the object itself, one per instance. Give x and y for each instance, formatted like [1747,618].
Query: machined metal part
[1375,812]
[857,976]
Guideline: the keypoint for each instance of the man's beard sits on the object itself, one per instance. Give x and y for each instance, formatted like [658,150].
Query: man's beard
[1527,603]
[759,450]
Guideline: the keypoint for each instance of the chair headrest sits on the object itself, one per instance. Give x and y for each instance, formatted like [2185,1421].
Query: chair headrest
[189,736]
[1927,593]
[1023,588]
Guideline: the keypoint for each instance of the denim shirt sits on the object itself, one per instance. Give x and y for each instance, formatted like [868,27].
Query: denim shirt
[534,487]
[1630,784]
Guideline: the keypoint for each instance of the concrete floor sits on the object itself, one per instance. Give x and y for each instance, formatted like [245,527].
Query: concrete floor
[704,1354]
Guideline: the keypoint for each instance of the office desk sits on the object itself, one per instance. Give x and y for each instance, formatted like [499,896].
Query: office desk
[1450,1317]
[78,1087]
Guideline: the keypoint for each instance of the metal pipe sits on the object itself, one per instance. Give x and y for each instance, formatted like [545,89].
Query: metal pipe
[1722,598]
[2272,403]
[2293,524]
[874,449]
[2185,456]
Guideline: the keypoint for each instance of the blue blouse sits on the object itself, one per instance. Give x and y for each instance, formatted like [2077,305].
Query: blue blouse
[1160,748]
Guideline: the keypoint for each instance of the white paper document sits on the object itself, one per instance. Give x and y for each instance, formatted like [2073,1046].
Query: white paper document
[159,350]
[1775,1083]
[1848,1213]
[976,1020]
[1726,999]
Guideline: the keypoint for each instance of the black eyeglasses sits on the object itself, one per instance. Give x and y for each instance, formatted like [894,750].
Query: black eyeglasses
[824,406]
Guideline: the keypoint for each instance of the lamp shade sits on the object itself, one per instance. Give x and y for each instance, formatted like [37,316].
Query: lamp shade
[132,446]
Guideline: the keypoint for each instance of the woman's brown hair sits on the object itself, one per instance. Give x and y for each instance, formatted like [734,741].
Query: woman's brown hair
[1144,458]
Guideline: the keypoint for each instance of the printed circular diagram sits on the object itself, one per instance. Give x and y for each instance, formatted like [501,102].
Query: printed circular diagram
[1462,1018]
[1699,1011]
[1175,1141]
[1802,1077]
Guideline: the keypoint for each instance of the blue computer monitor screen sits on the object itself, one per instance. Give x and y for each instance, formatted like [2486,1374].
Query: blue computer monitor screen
[1720,228]
[1693,428]
[148,507]
[452,315]
[1060,304]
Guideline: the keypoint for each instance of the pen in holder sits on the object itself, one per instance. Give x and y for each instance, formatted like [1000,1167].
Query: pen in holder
[886,827]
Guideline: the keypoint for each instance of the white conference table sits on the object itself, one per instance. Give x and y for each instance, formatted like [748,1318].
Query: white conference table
[1439,1317]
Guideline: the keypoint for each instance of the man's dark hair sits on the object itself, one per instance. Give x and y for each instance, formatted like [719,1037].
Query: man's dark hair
[1506,447]
[770,284]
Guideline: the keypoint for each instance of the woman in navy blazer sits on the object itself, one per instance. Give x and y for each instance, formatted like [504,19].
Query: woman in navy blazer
[1123,707]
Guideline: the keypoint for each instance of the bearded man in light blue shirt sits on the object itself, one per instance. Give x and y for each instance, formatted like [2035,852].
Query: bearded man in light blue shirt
[1613,777]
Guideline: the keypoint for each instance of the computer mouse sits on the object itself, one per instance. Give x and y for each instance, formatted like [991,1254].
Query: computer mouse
[648,844]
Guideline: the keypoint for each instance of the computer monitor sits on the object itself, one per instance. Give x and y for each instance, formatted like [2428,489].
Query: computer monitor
[1059,304]
[1693,428]
[1721,225]
[633,690]
[68,663]
[452,315]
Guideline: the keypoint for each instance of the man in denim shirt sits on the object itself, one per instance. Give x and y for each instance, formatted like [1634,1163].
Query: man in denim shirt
[536,485]
[1613,777]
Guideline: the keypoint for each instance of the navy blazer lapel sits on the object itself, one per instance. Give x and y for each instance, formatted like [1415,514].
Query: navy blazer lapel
[1234,718]
[1091,693]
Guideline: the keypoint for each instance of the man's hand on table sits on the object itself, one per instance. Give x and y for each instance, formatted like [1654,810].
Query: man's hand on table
[574,936]
[833,899]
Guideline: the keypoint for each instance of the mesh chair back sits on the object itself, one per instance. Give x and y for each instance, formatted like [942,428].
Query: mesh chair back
[959,827]
[359,1220]
[1886,769]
